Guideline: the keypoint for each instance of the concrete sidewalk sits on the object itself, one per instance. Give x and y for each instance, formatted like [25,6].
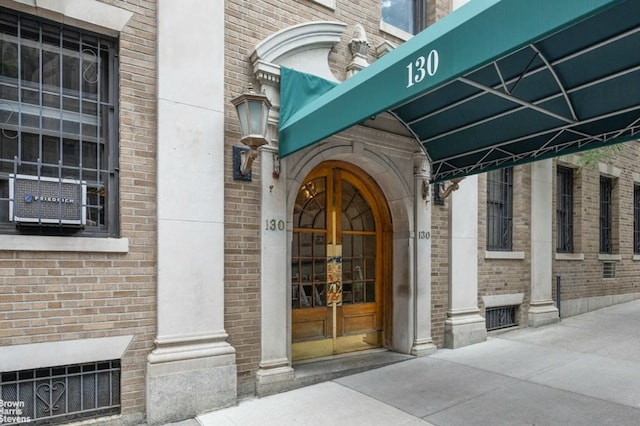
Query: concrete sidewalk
[582,371]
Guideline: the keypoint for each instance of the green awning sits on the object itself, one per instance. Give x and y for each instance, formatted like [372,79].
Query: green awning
[494,84]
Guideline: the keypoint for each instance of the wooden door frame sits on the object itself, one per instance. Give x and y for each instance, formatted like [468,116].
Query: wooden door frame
[379,203]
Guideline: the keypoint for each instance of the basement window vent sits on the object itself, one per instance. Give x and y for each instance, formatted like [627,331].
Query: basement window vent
[608,270]
[499,317]
[56,395]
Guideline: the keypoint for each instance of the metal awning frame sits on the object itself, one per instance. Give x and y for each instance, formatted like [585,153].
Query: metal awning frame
[512,158]
[502,90]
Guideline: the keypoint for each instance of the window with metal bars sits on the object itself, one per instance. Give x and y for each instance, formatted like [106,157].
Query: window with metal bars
[56,395]
[500,317]
[606,215]
[564,210]
[636,219]
[58,117]
[608,270]
[500,209]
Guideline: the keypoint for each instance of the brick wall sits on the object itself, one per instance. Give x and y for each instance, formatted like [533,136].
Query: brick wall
[52,296]
[507,276]
[439,270]
[583,278]
[580,278]
[439,228]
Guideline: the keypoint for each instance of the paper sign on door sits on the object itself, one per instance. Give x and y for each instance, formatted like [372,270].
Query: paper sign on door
[334,281]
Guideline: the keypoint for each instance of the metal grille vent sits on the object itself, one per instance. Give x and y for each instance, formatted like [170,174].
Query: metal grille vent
[501,317]
[608,270]
[56,395]
[47,200]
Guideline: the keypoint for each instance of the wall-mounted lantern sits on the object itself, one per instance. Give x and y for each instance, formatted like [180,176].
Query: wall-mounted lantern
[253,111]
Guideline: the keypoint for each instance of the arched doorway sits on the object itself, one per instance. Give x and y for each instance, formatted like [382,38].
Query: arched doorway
[340,263]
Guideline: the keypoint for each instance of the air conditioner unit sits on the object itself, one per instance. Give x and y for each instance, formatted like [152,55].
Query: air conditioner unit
[47,201]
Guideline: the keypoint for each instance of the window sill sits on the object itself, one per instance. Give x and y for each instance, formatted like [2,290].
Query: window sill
[64,352]
[92,14]
[496,300]
[570,256]
[636,257]
[394,31]
[329,4]
[610,257]
[508,255]
[63,244]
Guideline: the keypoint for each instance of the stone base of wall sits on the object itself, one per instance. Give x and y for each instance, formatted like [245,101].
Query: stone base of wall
[179,389]
[274,380]
[464,331]
[569,308]
[423,348]
[542,314]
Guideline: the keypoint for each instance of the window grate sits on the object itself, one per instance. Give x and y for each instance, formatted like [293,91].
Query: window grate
[564,210]
[56,395]
[606,214]
[58,118]
[501,317]
[608,270]
[636,219]
[500,209]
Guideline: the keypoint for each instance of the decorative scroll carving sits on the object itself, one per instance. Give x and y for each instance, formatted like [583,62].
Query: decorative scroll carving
[359,47]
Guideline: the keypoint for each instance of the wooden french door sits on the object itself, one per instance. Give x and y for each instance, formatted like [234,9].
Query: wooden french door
[340,219]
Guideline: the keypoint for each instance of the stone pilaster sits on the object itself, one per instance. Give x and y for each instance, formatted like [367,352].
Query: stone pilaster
[275,373]
[542,310]
[190,351]
[422,342]
[464,325]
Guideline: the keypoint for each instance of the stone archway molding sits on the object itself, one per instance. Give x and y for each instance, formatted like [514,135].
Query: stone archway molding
[304,47]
